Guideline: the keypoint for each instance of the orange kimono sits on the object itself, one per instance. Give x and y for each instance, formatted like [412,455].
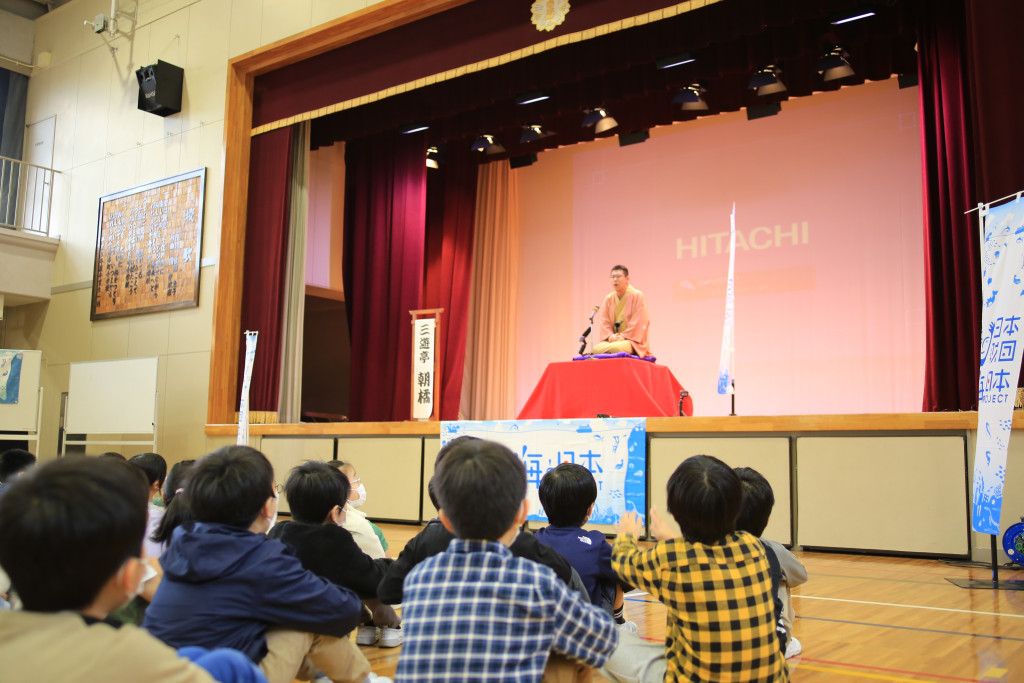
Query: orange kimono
[630,312]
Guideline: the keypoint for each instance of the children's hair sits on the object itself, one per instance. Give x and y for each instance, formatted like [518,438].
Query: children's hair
[314,489]
[177,511]
[481,486]
[67,527]
[175,479]
[445,450]
[230,486]
[153,464]
[567,492]
[113,455]
[13,461]
[704,497]
[758,501]
[346,468]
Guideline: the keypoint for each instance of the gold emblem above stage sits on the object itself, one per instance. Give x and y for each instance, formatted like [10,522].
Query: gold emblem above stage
[547,14]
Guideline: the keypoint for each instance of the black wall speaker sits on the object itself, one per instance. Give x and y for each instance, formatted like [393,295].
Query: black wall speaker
[160,88]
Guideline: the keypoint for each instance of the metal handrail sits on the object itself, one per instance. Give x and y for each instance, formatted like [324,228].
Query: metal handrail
[26,196]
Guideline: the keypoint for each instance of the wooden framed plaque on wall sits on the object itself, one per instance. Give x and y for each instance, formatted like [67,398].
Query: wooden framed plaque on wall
[148,247]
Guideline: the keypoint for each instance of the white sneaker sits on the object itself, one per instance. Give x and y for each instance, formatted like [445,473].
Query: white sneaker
[367,635]
[794,648]
[391,637]
[628,627]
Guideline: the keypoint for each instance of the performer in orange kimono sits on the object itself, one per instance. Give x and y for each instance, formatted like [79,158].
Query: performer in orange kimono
[624,321]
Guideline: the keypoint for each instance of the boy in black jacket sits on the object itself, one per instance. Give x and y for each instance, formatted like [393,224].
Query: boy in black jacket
[316,494]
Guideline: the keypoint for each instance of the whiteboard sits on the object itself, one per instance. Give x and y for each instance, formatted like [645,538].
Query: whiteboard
[22,416]
[112,397]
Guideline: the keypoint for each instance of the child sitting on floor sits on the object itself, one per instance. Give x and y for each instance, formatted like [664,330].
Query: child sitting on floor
[714,580]
[788,572]
[71,539]
[568,493]
[226,584]
[316,496]
[368,535]
[478,613]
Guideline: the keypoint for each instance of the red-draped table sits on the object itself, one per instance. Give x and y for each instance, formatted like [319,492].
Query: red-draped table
[620,387]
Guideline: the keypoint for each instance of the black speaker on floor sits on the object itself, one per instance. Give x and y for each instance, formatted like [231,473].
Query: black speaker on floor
[160,88]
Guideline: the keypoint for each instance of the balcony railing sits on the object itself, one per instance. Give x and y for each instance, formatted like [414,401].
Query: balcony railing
[26,196]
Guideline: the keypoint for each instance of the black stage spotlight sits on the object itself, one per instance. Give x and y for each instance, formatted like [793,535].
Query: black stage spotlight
[433,157]
[691,97]
[534,132]
[634,138]
[834,65]
[487,144]
[766,80]
[600,119]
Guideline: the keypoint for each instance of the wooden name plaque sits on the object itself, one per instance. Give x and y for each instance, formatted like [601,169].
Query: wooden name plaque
[148,247]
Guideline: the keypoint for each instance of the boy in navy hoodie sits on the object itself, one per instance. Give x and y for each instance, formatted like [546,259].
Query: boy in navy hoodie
[226,584]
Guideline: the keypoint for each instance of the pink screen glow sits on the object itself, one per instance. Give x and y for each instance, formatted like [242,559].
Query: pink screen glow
[829,262]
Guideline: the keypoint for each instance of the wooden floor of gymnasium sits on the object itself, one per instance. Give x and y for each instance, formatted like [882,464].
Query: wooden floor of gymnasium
[865,618]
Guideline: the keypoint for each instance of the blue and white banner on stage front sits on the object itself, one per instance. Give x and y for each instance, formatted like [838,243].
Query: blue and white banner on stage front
[1001,347]
[614,449]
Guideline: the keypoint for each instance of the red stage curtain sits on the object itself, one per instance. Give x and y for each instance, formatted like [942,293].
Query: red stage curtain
[952,273]
[266,235]
[998,135]
[451,215]
[993,27]
[385,215]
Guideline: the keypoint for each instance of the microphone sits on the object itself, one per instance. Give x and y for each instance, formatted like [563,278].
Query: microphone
[594,312]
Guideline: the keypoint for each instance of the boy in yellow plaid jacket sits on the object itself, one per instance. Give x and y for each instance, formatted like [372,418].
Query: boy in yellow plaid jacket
[714,580]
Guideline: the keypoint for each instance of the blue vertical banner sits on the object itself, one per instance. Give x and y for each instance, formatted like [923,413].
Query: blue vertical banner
[1001,345]
[729,326]
[613,449]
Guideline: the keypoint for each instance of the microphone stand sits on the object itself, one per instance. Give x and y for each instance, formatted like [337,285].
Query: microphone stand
[583,340]
[586,332]
[683,393]
[733,413]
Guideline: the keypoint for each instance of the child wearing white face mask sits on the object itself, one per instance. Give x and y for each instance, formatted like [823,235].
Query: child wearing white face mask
[317,497]
[367,535]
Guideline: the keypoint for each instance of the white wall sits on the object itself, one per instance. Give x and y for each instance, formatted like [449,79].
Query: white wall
[103,143]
